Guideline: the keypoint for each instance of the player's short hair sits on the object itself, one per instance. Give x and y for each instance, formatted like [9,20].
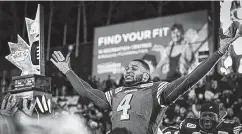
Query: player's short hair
[144,64]
[151,58]
[178,26]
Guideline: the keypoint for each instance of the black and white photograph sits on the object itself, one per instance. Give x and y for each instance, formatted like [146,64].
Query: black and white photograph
[121,67]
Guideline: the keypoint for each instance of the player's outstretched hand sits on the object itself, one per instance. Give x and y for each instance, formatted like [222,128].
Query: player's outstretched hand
[227,40]
[62,63]
[9,105]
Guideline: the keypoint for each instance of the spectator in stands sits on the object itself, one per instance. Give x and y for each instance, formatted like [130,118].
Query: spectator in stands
[64,90]
[95,83]
[121,81]
[99,84]
[110,84]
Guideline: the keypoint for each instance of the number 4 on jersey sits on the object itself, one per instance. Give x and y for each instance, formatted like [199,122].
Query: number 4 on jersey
[125,106]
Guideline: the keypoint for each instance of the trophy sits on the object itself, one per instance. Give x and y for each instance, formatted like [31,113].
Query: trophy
[29,58]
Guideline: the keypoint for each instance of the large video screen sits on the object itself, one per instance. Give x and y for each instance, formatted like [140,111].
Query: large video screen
[172,45]
[232,61]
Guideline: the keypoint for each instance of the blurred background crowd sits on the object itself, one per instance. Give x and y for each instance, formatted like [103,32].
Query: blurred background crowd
[225,89]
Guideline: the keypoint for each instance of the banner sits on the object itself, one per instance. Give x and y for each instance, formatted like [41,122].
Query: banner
[172,45]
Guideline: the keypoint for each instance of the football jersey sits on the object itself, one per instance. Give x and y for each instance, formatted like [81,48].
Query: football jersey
[191,126]
[137,108]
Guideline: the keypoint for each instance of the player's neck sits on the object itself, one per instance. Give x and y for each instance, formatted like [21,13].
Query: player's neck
[127,84]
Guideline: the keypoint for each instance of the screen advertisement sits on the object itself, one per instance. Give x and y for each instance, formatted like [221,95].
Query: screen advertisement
[172,46]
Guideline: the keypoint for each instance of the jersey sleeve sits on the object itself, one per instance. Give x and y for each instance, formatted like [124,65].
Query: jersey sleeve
[98,97]
[109,96]
[171,92]
[161,86]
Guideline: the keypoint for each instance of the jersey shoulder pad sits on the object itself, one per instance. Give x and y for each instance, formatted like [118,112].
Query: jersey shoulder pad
[159,86]
[159,83]
[149,84]
[190,123]
[229,122]
[117,90]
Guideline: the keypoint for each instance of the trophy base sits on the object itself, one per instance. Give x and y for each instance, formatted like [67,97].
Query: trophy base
[31,86]
[42,108]
[34,87]
[30,94]
[32,82]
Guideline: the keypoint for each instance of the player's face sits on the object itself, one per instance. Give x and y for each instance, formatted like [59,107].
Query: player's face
[133,73]
[176,35]
[208,120]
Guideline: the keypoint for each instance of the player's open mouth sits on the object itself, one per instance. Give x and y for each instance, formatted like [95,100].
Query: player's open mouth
[129,77]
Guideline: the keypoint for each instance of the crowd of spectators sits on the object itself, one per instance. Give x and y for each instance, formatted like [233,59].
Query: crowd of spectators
[225,89]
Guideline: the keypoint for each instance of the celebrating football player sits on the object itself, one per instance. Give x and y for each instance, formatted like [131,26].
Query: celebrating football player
[138,107]
[209,122]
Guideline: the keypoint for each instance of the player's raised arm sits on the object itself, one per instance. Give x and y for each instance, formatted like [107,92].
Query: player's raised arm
[181,85]
[83,88]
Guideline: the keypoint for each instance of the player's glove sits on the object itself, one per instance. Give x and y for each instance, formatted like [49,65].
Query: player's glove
[62,63]
[9,105]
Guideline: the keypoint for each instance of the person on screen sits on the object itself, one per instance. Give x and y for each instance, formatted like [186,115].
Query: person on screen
[139,106]
[177,57]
